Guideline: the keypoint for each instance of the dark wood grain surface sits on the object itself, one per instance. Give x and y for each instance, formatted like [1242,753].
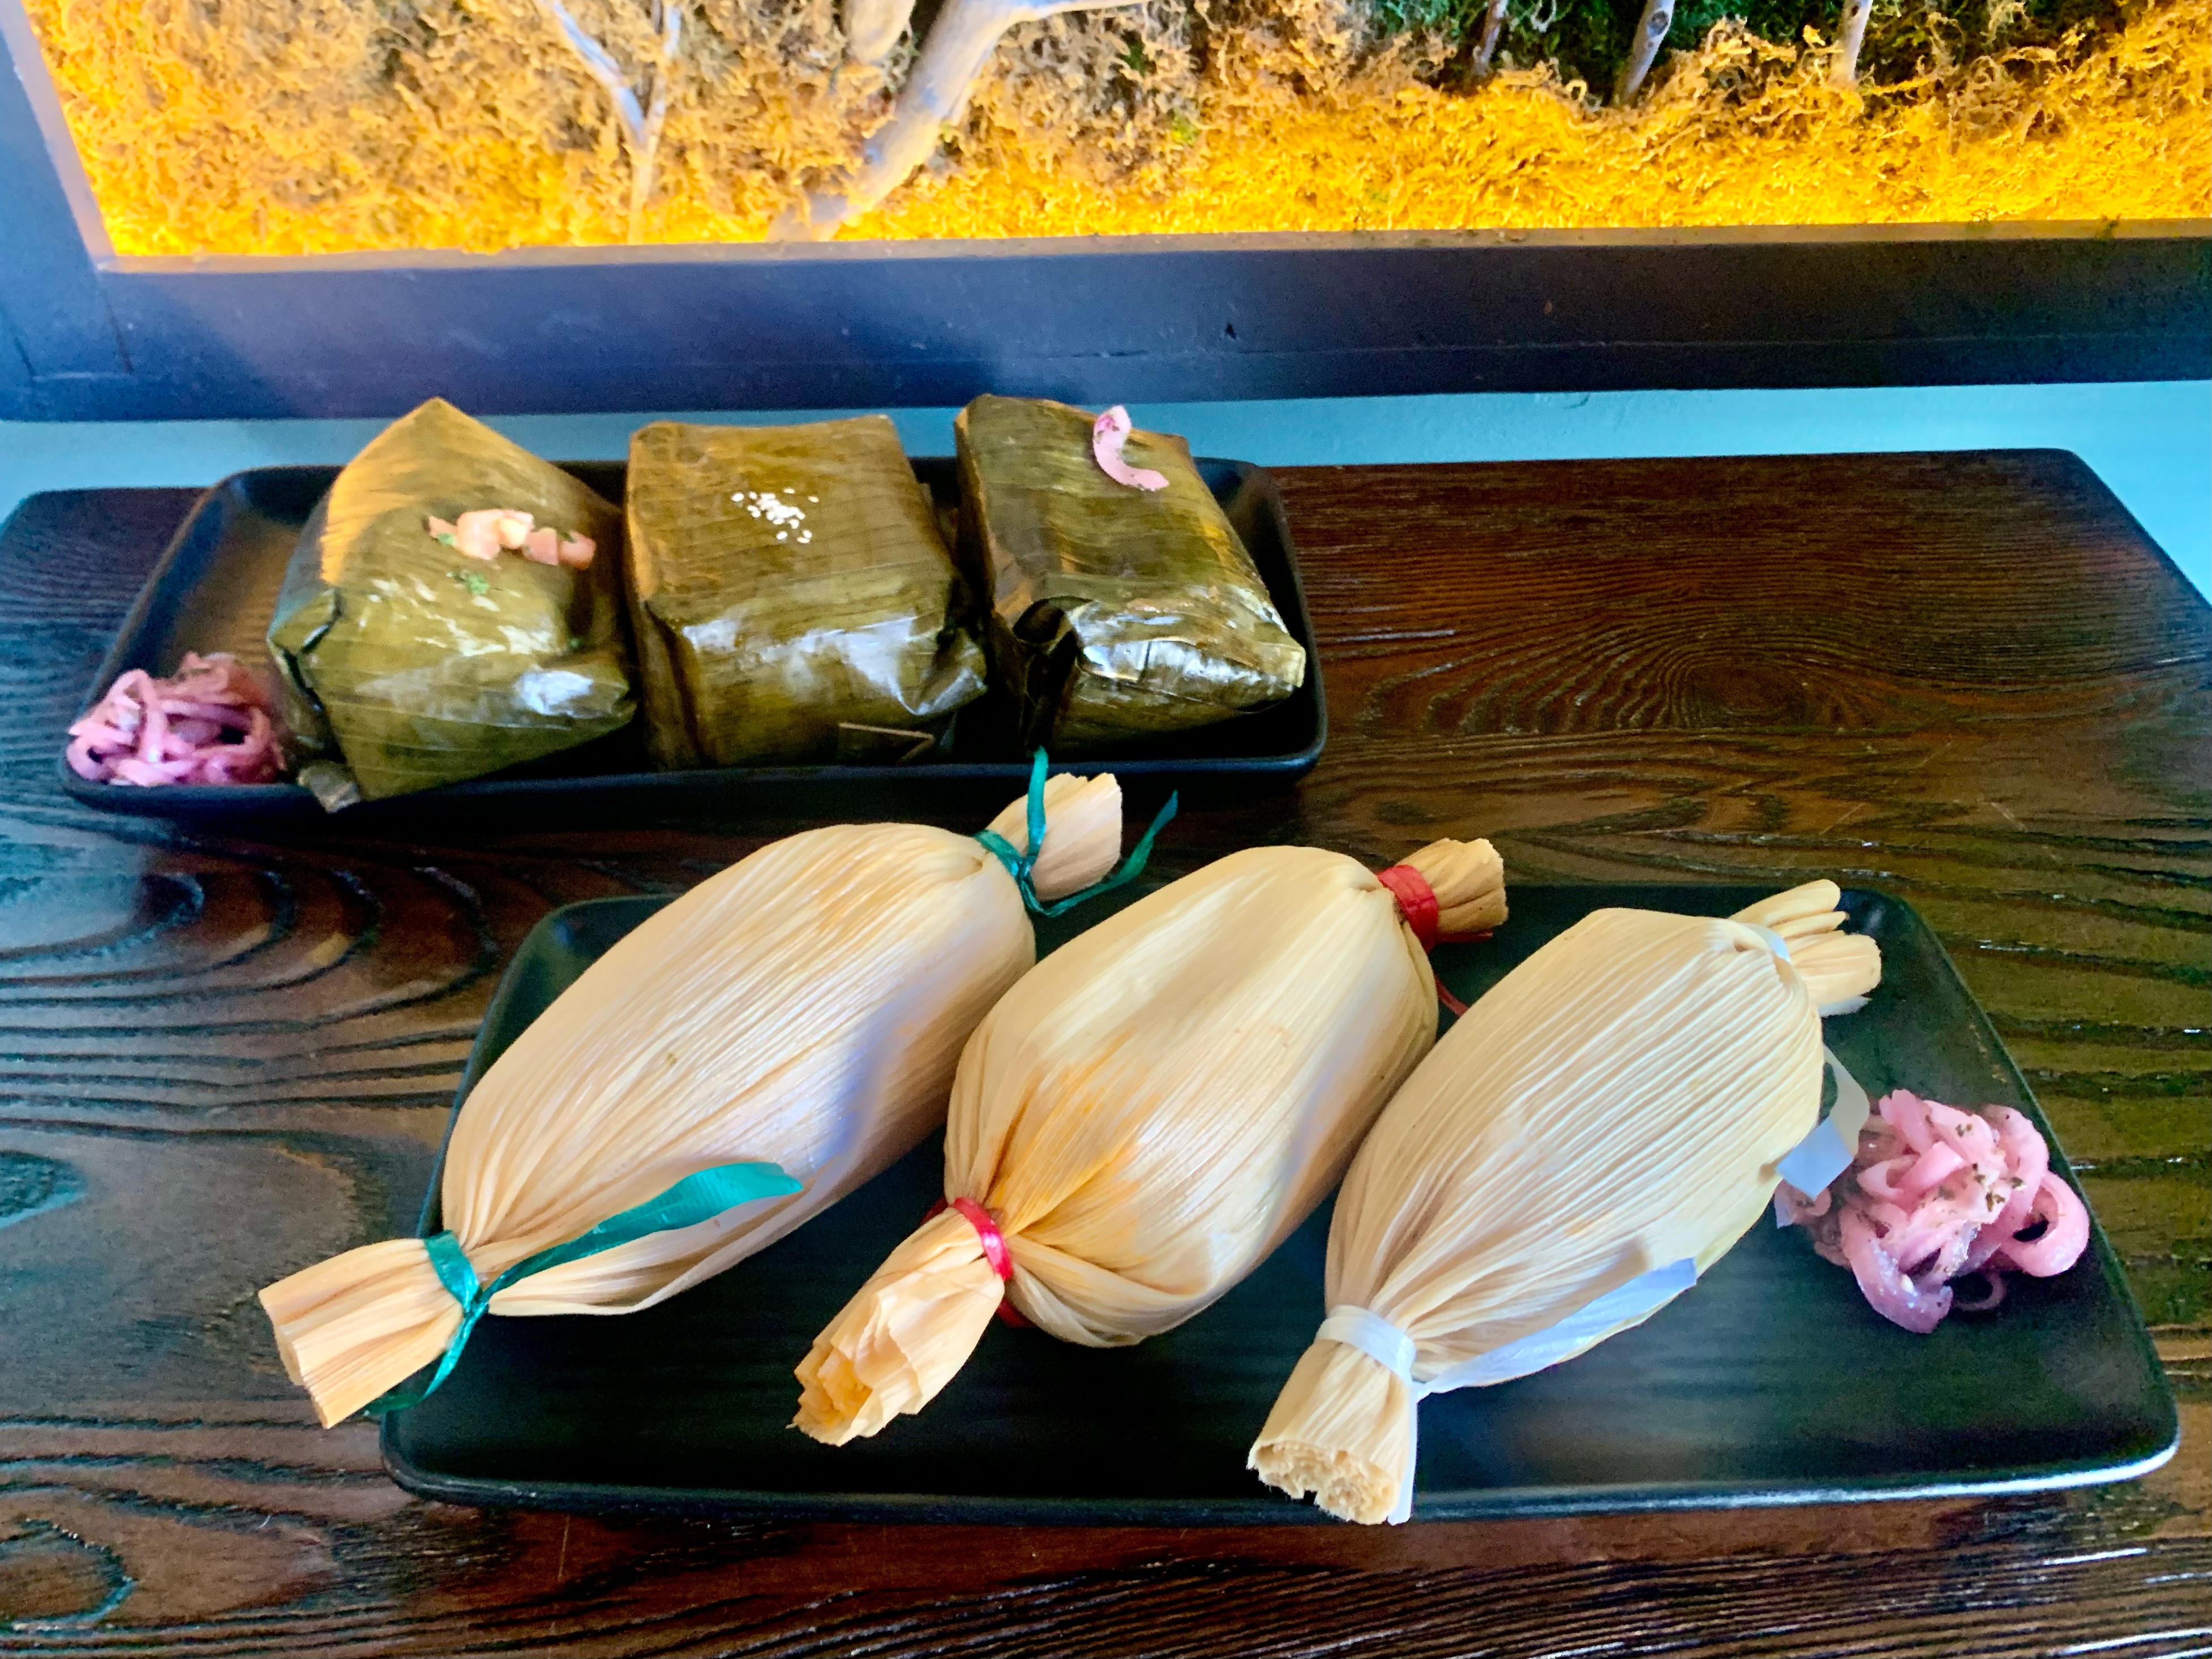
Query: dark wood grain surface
[1966,678]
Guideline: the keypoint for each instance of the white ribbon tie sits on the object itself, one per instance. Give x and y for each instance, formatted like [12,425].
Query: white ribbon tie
[1827,1150]
[1394,1350]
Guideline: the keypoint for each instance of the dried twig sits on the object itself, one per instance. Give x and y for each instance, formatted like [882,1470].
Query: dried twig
[873,27]
[1651,30]
[1493,22]
[1843,68]
[642,122]
[960,43]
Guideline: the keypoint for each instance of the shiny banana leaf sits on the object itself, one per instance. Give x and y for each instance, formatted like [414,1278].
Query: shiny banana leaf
[406,663]
[1116,614]
[791,596]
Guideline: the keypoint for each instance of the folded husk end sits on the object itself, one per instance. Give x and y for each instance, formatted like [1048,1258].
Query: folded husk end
[1082,833]
[1468,878]
[351,1327]
[896,1344]
[1834,965]
[1342,1432]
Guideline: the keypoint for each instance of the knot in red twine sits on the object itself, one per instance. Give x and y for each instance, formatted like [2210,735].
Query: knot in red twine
[995,1253]
[1417,903]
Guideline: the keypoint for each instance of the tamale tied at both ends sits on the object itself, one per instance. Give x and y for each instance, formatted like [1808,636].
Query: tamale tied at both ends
[804,1008]
[791,596]
[1598,1129]
[1116,614]
[408,663]
[1154,1109]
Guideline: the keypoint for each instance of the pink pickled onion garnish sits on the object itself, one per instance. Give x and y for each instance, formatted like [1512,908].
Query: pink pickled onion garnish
[214,722]
[1934,1194]
[478,533]
[483,532]
[1108,434]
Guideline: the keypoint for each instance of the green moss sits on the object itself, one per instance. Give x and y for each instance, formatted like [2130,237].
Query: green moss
[1583,39]
[1587,39]
[1776,19]
[1453,19]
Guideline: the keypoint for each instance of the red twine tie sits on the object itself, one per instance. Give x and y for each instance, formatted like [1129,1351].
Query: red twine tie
[994,1246]
[1417,903]
[1417,900]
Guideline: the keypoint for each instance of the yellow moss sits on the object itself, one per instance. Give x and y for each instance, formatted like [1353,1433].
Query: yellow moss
[1741,132]
[283,126]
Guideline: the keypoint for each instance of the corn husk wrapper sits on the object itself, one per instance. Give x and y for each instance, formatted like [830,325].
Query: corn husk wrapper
[1617,1103]
[1117,615]
[806,1007]
[792,596]
[1150,1111]
[407,665]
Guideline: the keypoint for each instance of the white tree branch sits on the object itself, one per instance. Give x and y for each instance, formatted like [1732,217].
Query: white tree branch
[1651,30]
[640,126]
[604,69]
[873,27]
[1844,70]
[961,41]
[1494,21]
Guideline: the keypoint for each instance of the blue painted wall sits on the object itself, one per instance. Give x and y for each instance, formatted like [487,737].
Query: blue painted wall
[2151,442]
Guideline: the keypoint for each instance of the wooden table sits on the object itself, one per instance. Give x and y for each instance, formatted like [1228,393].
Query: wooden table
[1968,678]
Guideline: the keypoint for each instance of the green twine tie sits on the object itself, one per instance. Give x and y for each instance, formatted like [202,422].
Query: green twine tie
[1020,865]
[694,1198]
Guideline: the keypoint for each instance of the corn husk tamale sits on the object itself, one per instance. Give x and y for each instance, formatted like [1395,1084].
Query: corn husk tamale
[1150,1111]
[407,665]
[804,1008]
[1609,1117]
[1116,614]
[791,596]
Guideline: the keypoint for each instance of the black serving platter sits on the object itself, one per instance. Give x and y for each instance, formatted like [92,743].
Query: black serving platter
[1771,1382]
[216,589]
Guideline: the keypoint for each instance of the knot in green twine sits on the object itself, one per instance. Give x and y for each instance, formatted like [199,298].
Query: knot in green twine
[694,1198]
[1021,865]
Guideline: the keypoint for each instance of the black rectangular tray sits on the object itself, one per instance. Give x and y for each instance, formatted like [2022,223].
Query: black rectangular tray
[216,589]
[1771,1382]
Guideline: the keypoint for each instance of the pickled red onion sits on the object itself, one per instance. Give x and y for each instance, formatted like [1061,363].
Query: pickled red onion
[483,532]
[1934,1193]
[480,533]
[1108,434]
[212,721]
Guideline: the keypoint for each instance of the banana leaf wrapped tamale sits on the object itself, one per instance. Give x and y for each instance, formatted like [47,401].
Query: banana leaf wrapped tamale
[415,654]
[792,596]
[1118,611]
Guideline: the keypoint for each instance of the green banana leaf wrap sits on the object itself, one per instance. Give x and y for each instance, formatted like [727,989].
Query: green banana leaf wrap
[1116,614]
[406,664]
[791,596]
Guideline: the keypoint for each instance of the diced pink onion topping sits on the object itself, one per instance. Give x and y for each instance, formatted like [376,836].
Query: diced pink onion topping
[1936,1193]
[212,721]
[477,533]
[1108,434]
[481,533]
